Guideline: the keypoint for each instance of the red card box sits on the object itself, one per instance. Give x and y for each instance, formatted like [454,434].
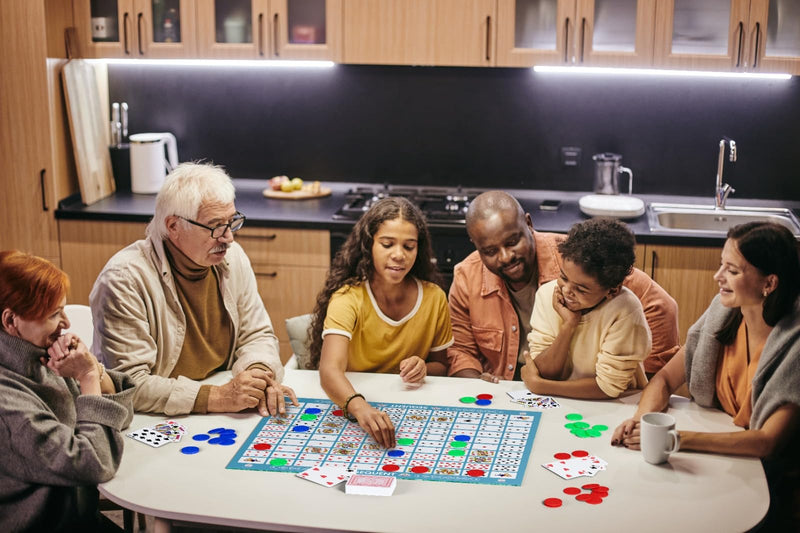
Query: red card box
[364,485]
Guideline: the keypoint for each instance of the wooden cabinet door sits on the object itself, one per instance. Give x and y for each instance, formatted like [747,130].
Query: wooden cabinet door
[311,29]
[535,32]
[707,35]
[687,274]
[25,148]
[164,28]
[617,33]
[233,29]
[419,32]
[105,29]
[773,36]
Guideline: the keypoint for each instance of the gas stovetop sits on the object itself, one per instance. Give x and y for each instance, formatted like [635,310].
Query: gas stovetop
[441,205]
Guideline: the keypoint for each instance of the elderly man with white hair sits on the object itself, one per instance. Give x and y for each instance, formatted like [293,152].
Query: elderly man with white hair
[174,308]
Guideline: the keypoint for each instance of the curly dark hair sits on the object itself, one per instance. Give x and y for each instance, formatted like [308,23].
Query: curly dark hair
[603,247]
[772,249]
[353,262]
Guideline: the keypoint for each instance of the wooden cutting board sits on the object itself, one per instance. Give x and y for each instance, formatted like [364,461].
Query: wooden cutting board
[89,130]
[297,195]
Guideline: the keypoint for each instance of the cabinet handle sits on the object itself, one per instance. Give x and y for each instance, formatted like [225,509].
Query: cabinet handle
[270,274]
[270,237]
[566,40]
[125,33]
[44,193]
[755,48]
[275,34]
[583,37]
[139,32]
[653,265]
[261,34]
[488,36]
[739,51]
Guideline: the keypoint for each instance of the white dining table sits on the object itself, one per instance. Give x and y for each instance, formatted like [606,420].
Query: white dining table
[691,492]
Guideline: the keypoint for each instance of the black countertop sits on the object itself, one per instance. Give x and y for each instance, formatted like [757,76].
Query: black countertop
[318,213]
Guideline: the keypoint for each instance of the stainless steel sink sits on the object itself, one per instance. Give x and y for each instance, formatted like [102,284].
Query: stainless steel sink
[688,218]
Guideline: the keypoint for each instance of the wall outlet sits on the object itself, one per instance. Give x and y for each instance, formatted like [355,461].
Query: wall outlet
[570,156]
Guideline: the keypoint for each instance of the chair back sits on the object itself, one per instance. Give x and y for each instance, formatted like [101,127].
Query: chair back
[297,328]
[80,319]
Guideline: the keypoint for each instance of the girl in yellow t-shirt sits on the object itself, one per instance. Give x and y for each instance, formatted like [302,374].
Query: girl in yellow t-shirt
[380,311]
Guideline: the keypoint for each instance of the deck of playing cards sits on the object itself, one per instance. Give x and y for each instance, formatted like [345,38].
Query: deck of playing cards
[160,434]
[363,485]
[529,399]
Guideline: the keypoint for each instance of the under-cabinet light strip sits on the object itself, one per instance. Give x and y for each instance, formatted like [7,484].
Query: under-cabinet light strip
[250,63]
[658,72]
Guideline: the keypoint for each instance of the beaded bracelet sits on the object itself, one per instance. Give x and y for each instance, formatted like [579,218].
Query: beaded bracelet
[347,415]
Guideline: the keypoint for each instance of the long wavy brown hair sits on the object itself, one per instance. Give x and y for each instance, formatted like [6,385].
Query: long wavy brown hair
[353,263]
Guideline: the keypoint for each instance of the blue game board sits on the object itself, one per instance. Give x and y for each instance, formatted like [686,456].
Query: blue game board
[462,444]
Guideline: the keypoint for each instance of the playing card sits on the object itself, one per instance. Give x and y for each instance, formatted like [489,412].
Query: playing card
[529,399]
[326,476]
[171,430]
[150,437]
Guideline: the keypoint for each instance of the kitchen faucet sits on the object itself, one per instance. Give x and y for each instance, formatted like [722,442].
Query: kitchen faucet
[721,191]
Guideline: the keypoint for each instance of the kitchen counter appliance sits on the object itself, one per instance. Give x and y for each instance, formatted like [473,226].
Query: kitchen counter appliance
[444,208]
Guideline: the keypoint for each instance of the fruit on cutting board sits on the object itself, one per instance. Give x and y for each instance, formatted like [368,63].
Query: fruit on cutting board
[277,182]
[297,184]
[287,186]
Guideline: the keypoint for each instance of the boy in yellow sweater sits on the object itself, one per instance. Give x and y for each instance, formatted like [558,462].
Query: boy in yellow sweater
[589,334]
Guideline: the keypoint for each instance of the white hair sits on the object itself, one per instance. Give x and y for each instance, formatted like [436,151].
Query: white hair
[186,189]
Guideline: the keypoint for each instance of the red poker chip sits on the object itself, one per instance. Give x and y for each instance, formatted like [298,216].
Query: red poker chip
[598,488]
[572,491]
[594,500]
[580,453]
[561,456]
[262,446]
[476,473]
[583,497]
[390,468]
[552,502]
[337,412]
[590,486]
[419,469]
[484,396]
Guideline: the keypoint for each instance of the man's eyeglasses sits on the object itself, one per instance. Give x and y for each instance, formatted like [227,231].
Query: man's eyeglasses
[235,225]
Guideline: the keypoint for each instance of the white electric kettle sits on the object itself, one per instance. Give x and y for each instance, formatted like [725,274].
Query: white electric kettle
[149,166]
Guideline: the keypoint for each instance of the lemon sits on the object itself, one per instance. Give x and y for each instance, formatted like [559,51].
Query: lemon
[287,186]
[297,184]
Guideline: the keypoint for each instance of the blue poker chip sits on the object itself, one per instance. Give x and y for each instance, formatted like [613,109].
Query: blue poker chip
[395,453]
[190,450]
[222,442]
[312,411]
[218,440]
[228,434]
[483,402]
[216,430]
[201,436]
[461,438]
[300,429]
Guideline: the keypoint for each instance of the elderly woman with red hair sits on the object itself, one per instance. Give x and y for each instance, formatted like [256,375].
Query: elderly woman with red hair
[61,413]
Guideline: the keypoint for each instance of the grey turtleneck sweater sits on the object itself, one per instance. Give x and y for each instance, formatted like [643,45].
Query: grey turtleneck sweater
[56,445]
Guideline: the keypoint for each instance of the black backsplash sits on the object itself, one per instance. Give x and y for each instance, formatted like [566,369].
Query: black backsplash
[476,127]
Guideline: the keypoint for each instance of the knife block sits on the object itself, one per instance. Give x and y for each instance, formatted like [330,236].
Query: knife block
[121,166]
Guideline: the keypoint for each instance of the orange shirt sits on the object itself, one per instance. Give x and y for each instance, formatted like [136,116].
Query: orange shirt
[735,378]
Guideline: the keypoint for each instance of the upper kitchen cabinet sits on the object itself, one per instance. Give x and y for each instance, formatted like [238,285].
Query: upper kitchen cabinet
[263,29]
[708,35]
[420,32]
[575,32]
[136,28]
[773,36]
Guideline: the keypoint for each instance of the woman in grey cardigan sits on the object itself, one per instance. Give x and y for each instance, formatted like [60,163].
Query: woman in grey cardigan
[61,412]
[742,355]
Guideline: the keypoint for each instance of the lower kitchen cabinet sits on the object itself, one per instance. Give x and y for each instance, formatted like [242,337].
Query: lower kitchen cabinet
[290,264]
[687,274]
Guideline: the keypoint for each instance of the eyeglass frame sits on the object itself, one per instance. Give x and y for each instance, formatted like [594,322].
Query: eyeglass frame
[227,226]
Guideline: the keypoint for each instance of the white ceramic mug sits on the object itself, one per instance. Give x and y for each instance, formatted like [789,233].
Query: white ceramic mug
[658,437]
[149,166]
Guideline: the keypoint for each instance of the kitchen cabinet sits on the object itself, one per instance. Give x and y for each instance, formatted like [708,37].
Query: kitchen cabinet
[136,28]
[575,32]
[290,264]
[27,164]
[687,274]
[773,36]
[269,29]
[420,32]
